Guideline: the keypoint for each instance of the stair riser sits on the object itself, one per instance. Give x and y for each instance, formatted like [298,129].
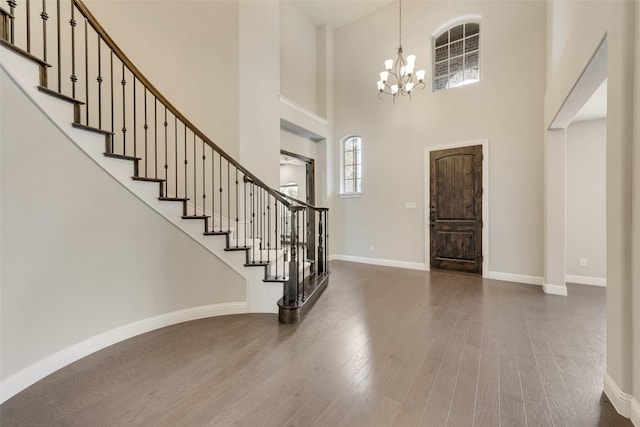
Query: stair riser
[23,71]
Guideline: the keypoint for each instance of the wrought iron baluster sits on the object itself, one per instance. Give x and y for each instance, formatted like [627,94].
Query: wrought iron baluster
[204,177]
[146,135]
[268,228]
[175,151]
[99,80]
[28,7]
[86,69]
[73,76]
[44,17]
[10,34]
[166,149]
[237,190]
[229,198]
[302,252]
[124,113]
[155,136]
[282,238]
[326,240]
[112,96]
[253,222]
[320,240]
[220,182]
[58,24]
[275,205]
[261,221]
[245,210]
[213,190]
[185,161]
[135,109]
[195,183]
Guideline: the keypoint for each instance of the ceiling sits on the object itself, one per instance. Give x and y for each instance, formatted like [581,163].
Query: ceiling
[338,13]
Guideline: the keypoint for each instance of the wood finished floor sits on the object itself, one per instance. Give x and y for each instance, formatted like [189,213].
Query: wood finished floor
[382,347]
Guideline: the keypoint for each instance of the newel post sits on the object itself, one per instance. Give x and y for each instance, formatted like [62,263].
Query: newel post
[291,286]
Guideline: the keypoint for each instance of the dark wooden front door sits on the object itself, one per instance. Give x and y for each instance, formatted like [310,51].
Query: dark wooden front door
[456,209]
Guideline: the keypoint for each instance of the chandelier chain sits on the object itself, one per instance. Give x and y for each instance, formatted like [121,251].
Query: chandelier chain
[400,19]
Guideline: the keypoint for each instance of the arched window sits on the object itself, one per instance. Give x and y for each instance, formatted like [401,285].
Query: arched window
[351,165]
[457,56]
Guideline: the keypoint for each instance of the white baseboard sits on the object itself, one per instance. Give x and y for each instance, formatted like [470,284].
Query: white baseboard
[552,289]
[548,288]
[35,372]
[586,280]
[518,278]
[379,261]
[625,404]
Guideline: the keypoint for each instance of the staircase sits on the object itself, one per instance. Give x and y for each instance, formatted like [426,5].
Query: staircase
[85,83]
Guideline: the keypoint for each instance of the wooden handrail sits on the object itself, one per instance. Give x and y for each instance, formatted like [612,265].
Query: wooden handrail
[158,95]
[300,202]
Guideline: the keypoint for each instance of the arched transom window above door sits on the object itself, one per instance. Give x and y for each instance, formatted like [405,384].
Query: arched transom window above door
[456,51]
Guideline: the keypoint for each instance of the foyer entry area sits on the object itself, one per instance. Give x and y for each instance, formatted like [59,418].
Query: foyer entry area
[464,351]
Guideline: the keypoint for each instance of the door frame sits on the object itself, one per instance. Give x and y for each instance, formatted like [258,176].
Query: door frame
[485,200]
[310,175]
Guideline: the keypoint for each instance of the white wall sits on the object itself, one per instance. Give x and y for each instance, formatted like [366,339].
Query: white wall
[506,107]
[298,144]
[298,57]
[585,24]
[554,211]
[259,118]
[189,51]
[586,203]
[80,255]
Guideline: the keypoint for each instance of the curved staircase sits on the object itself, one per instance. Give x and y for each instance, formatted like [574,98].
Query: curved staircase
[120,120]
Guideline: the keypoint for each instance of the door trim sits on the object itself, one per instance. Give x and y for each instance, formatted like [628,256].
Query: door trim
[310,174]
[485,200]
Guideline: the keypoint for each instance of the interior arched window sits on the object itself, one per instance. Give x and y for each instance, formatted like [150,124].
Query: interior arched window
[457,56]
[351,165]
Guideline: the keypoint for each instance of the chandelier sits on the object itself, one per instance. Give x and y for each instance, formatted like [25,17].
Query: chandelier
[400,77]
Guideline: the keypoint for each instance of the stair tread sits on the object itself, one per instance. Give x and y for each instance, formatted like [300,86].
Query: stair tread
[24,53]
[144,178]
[276,279]
[121,156]
[195,216]
[59,95]
[173,199]
[92,129]
[216,233]
[257,264]
[239,248]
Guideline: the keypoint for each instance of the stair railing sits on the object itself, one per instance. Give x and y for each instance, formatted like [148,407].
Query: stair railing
[306,219]
[113,97]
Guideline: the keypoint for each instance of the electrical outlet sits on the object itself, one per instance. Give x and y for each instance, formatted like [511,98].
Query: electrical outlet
[372,248]
[583,262]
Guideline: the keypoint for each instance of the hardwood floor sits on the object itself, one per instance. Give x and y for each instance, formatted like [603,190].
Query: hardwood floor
[382,347]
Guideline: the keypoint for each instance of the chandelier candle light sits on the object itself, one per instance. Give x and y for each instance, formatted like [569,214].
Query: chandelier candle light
[401,72]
